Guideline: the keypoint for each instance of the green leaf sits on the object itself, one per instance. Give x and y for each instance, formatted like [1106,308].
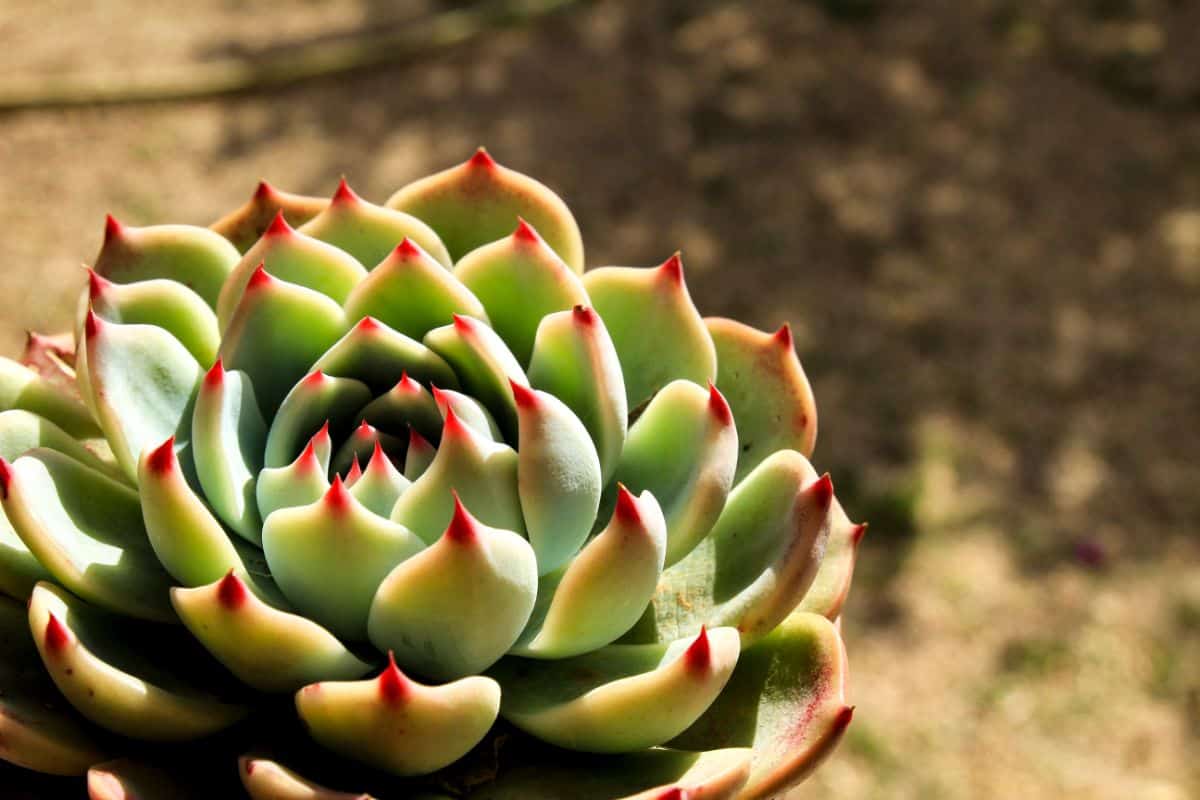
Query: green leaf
[244,225]
[316,400]
[198,258]
[375,354]
[484,365]
[23,389]
[166,303]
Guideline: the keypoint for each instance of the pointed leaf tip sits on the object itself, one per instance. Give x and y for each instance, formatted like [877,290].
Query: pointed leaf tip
[525,232]
[844,718]
[365,430]
[672,268]
[698,656]
[674,793]
[627,510]
[368,325]
[416,440]
[57,635]
[112,228]
[355,472]
[260,277]
[91,324]
[452,426]
[393,685]
[822,489]
[719,406]
[462,527]
[408,249]
[344,193]
[462,324]
[264,191]
[308,459]
[231,592]
[162,459]
[279,226]
[215,377]
[337,498]
[584,315]
[377,457]
[481,159]
[5,477]
[314,379]
[525,397]
[96,284]
[856,535]
[783,336]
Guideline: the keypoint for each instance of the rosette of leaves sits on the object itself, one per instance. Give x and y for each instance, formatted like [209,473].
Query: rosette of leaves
[398,498]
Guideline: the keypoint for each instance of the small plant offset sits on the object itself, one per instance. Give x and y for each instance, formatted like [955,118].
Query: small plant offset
[399,499]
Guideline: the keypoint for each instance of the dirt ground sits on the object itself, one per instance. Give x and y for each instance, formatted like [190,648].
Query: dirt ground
[982,220]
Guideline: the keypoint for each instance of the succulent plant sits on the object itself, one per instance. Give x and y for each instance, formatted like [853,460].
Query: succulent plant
[401,498]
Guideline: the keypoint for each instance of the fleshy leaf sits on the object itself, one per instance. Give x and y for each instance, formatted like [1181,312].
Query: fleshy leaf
[132,686]
[375,354]
[264,779]
[484,365]
[198,258]
[381,483]
[19,568]
[406,405]
[228,437]
[168,304]
[23,389]
[453,609]
[767,389]
[829,589]
[142,383]
[786,699]
[658,334]
[483,472]
[558,476]
[22,431]
[419,456]
[469,410]
[397,724]
[269,649]
[369,232]
[264,340]
[359,446]
[38,730]
[604,590]
[316,400]
[86,530]
[479,201]
[126,779]
[519,279]
[291,256]
[328,558]
[574,360]
[683,448]
[411,292]
[619,698]
[757,562]
[300,483]
[245,225]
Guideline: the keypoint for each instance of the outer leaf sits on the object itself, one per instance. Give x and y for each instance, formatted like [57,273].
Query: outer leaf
[397,724]
[829,589]
[620,698]
[166,303]
[38,730]
[786,699]
[246,224]
[485,366]
[22,388]
[100,673]
[196,257]
[264,779]
[767,390]
[86,530]
[520,279]
[369,232]
[301,483]
[406,405]
[657,331]
[479,201]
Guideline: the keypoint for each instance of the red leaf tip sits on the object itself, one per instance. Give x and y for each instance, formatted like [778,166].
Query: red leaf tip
[231,592]
[215,377]
[418,442]
[260,277]
[264,192]
[525,396]
[856,535]
[525,232]
[843,719]
[162,458]
[368,325]
[674,793]
[279,226]
[584,315]
[627,510]
[379,459]
[672,268]
[314,379]
[463,324]
[481,159]
[112,228]
[91,324]
[337,498]
[308,458]
[365,430]
[783,336]
[719,406]
[407,383]
[6,477]
[96,285]
[57,635]
[393,685]
[355,472]
[462,527]
[344,193]
[698,656]
[452,425]
[408,249]
[822,490]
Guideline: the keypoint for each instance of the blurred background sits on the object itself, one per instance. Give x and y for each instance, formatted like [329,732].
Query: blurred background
[981,218]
